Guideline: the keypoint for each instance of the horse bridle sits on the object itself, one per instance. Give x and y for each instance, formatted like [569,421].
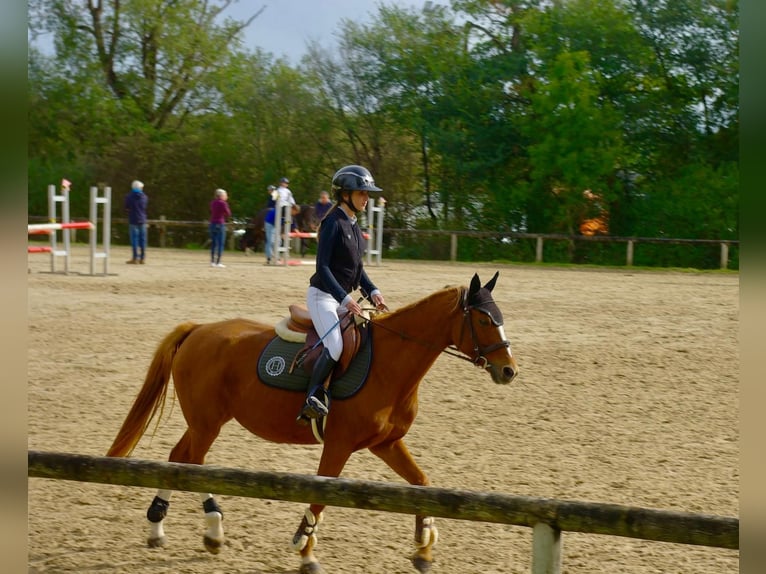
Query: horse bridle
[453,350]
[480,360]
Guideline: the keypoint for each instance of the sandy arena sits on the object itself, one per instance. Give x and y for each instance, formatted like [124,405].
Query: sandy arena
[627,393]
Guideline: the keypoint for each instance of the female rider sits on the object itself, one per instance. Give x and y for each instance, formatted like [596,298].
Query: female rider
[339,271]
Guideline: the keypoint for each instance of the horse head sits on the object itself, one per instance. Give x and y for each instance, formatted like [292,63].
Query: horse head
[486,344]
[306,219]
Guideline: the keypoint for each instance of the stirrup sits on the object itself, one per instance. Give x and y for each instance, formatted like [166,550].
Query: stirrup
[314,408]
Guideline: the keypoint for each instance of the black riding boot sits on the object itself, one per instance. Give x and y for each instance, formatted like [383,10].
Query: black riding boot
[314,408]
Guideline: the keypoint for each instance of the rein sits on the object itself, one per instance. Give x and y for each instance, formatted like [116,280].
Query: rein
[480,360]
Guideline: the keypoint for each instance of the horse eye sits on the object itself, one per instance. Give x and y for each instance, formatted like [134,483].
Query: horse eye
[484,322]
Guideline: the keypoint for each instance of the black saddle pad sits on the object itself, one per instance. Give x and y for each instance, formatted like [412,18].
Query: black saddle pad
[276,358]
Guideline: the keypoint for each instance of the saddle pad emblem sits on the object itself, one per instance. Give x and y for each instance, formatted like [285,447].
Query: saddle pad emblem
[276,358]
[275,366]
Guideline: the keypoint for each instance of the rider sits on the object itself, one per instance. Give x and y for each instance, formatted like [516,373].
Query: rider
[339,271]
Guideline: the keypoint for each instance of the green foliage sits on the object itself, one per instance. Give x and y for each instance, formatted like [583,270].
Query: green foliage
[489,116]
[700,202]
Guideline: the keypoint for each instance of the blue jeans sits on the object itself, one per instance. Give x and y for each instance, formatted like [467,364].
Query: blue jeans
[138,240]
[269,245]
[217,238]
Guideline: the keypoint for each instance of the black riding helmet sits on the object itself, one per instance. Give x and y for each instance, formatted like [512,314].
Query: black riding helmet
[353,178]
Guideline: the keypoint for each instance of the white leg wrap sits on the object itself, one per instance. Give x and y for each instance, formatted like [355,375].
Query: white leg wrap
[430,534]
[214,523]
[156,532]
[306,530]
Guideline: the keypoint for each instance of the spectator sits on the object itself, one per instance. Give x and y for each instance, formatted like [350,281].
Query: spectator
[285,195]
[135,205]
[268,232]
[269,225]
[219,213]
[273,195]
[322,206]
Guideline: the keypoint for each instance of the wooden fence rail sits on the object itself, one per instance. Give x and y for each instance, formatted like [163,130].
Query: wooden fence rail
[540,238]
[163,224]
[548,517]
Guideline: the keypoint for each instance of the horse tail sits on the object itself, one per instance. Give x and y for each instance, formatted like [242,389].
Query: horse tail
[151,397]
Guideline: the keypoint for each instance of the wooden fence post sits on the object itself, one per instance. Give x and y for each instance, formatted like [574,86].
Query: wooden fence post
[539,249]
[163,230]
[724,255]
[453,247]
[546,549]
[629,255]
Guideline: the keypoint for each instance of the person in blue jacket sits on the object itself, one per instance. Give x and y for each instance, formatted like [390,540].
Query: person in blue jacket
[339,272]
[269,226]
[135,205]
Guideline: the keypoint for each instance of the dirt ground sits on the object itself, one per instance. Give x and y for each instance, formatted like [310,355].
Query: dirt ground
[627,393]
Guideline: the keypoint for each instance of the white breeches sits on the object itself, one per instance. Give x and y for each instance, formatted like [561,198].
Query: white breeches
[323,309]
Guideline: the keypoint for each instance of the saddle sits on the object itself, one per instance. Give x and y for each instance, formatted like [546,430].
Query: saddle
[297,327]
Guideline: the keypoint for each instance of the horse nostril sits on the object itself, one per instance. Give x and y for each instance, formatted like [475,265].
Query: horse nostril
[508,373]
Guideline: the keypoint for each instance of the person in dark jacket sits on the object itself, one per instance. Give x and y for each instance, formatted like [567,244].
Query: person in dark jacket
[135,205]
[339,272]
[323,205]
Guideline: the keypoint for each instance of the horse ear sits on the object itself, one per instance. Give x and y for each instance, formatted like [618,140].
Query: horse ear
[475,285]
[491,283]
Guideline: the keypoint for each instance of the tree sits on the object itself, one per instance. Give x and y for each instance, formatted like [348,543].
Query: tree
[575,144]
[155,56]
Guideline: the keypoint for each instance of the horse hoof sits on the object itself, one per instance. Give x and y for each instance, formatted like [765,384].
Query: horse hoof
[212,546]
[421,564]
[156,542]
[311,568]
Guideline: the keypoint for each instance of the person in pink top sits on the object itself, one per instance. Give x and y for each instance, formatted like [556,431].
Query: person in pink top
[219,213]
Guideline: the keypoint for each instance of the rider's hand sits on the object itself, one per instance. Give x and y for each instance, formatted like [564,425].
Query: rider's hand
[379,302]
[354,307]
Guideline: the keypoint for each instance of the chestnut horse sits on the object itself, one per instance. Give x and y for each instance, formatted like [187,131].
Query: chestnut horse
[214,371]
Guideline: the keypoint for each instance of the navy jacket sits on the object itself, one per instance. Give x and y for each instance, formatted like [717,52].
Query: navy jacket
[135,205]
[340,249]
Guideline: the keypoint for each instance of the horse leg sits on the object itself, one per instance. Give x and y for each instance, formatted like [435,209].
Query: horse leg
[305,539]
[156,514]
[213,537]
[191,448]
[396,455]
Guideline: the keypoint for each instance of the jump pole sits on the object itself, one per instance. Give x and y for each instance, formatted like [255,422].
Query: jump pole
[95,253]
[53,200]
[375,224]
[48,228]
[374,235]
[65,226]
[282,231]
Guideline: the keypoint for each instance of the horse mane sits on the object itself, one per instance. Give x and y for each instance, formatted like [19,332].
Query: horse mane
[454,292]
